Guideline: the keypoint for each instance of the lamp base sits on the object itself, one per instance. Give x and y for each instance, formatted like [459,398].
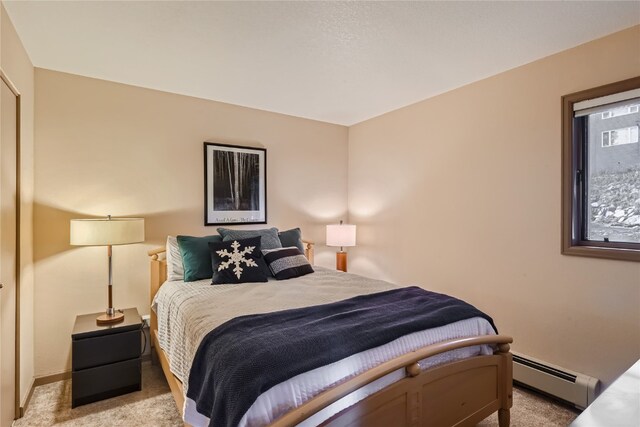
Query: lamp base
[108,319]
[341,261]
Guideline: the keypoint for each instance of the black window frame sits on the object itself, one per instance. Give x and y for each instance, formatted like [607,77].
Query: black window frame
[575,207]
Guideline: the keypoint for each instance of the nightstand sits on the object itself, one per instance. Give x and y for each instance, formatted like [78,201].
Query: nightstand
[105,359]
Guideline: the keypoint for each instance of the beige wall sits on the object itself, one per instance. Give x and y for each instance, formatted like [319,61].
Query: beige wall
[107,148]
[17,66]
[460,193]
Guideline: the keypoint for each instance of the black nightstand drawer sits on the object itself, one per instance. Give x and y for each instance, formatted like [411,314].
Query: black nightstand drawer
[90,352]
[90,385]
[105,358]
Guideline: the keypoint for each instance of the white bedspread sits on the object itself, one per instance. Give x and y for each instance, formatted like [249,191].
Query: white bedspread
[188,311]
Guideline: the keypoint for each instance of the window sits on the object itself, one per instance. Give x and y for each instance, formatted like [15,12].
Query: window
[601,172]
[620,136]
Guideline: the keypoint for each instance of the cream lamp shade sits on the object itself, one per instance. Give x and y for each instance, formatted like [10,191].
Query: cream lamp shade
[341,235]
[106,231]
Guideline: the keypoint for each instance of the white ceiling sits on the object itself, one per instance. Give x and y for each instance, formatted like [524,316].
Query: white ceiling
[340,62]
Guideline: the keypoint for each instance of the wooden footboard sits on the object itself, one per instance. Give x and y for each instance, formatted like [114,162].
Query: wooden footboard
[460,393]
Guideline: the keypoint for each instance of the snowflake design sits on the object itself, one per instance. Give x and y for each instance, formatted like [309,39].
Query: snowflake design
[236,258]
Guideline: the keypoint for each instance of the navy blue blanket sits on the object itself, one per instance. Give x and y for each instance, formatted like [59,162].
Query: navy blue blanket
[246,356]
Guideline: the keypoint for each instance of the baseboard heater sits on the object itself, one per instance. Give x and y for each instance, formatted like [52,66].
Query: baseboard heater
[572,387]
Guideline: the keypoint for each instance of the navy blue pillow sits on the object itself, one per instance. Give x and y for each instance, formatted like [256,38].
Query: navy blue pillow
[237,261]
[290,238]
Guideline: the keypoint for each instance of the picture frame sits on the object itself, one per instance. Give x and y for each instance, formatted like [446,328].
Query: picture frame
[235,184]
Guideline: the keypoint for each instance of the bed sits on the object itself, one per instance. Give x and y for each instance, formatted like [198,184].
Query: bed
[450,381]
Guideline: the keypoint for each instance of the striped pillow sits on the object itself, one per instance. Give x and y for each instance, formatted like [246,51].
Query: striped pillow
[287,263]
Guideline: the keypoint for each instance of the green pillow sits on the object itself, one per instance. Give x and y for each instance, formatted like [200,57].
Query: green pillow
[291,237]
[196,258]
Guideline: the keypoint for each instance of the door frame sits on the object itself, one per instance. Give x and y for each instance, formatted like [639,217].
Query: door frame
[14,90]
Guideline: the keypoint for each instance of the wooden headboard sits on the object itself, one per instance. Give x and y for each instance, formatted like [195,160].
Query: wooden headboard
[158,267]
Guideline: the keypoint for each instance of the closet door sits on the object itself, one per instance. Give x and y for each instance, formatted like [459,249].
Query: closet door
[8,194]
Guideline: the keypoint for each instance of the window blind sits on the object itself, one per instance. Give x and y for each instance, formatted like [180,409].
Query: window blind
[604,103]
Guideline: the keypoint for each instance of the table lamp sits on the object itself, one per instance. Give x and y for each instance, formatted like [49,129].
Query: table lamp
[107,232]
[341,235]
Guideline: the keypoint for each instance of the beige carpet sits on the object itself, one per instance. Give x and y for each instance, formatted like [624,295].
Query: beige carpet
[154,406]
[535,410]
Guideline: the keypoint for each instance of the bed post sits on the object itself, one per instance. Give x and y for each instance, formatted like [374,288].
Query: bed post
[506,401]
[308,250]
[158,276]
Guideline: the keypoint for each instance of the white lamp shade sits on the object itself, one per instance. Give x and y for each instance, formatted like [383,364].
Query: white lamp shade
[341,235]
[104,231]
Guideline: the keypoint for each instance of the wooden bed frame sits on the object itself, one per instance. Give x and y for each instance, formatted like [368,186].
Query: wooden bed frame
[460,393]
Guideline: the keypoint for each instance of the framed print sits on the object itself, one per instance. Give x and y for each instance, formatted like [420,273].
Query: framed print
[235,184]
